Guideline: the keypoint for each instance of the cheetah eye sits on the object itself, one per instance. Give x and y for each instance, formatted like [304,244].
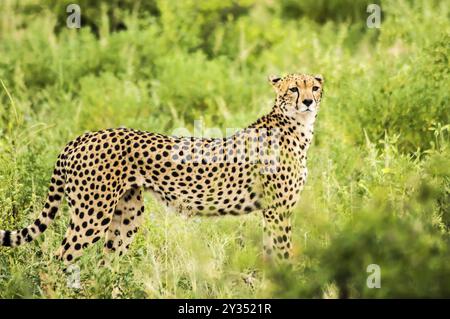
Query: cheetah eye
[294,89]
[315,88]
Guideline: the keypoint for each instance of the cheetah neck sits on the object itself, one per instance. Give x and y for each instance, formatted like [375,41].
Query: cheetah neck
[300,125]
[305,124]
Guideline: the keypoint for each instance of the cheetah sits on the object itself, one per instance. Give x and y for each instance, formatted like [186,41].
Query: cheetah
[262,168]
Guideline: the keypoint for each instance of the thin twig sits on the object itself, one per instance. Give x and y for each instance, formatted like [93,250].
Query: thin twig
[11,100]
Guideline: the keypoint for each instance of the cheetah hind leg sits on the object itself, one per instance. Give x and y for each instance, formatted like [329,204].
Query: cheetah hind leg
[127,218]
[88,225]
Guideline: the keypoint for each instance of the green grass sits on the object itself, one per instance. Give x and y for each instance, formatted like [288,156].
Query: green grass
[378,190]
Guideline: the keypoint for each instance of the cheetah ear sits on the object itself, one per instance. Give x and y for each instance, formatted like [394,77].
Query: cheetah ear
[275,81]
[319,78]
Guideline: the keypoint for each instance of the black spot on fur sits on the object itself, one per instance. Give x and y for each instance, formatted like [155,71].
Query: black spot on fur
[7,239]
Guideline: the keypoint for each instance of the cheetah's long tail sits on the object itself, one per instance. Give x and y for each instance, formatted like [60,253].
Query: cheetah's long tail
[55,194]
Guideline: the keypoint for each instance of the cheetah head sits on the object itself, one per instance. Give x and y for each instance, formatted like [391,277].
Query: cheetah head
[298,93]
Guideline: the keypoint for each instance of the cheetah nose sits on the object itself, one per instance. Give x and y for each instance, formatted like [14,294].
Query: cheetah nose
[307,102]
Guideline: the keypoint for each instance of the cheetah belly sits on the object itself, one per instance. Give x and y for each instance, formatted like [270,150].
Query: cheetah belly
[208,190]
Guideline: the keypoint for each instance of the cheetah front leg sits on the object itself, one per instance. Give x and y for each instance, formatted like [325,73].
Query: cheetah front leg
[127,218]
[277,234]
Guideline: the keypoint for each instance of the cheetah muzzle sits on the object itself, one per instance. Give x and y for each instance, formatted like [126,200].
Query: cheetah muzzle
[261,168]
